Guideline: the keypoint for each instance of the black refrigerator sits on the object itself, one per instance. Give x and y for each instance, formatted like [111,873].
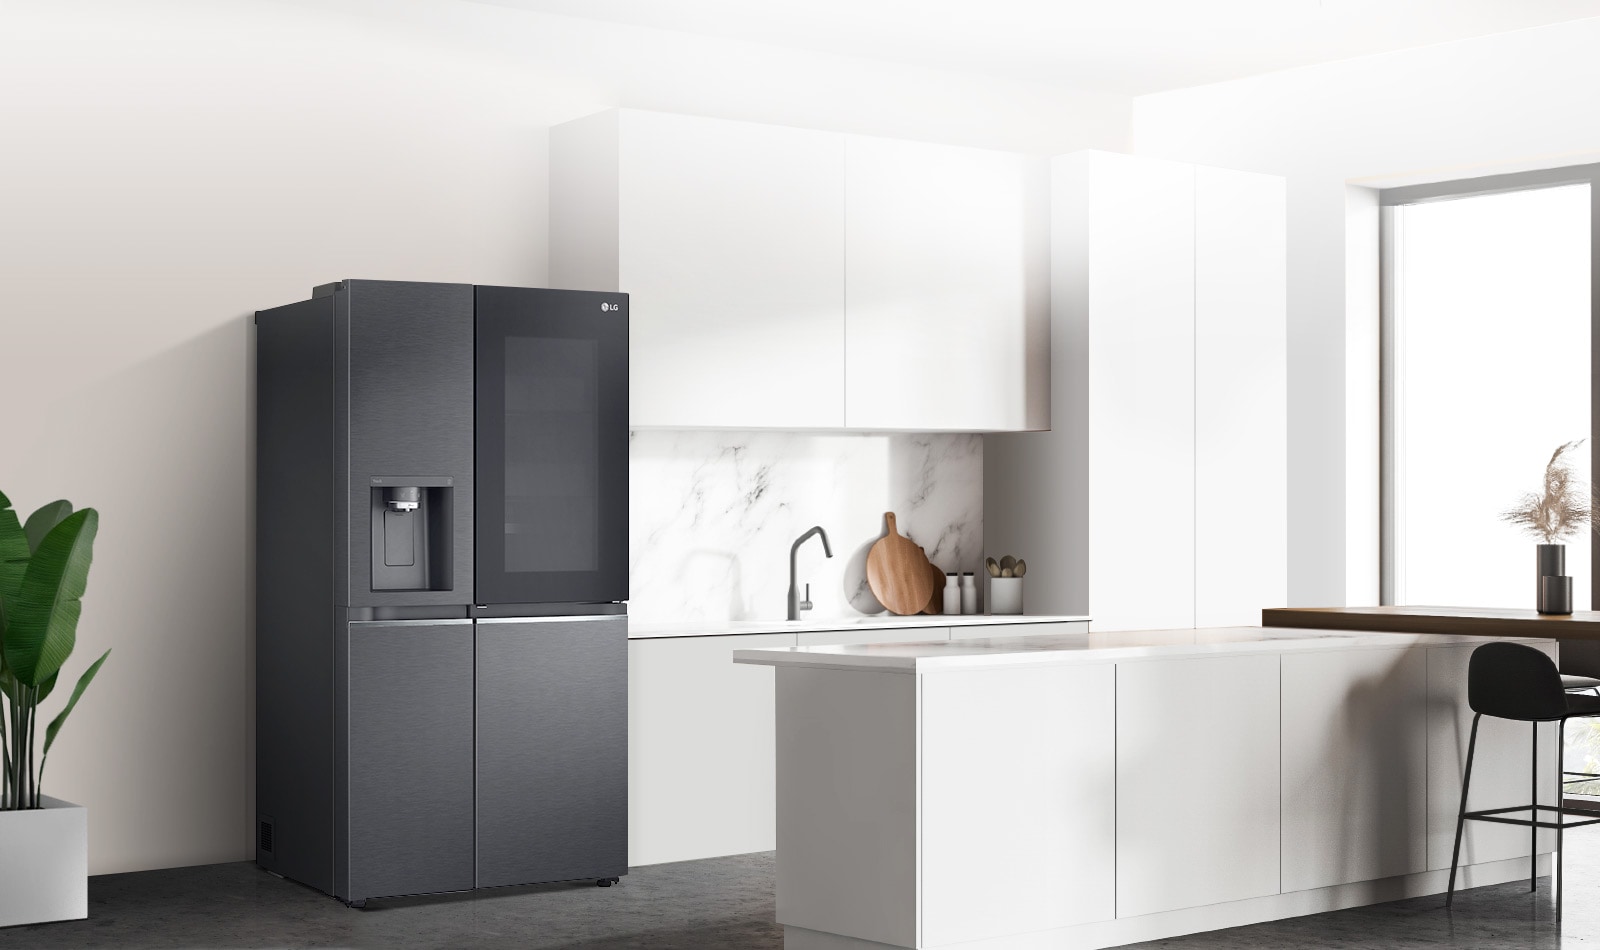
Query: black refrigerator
[441,578]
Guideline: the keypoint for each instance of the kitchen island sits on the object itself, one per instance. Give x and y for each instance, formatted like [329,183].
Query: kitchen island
[1092,790]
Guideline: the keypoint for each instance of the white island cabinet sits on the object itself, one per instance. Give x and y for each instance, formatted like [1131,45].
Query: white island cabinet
[1066,792]
[701,757]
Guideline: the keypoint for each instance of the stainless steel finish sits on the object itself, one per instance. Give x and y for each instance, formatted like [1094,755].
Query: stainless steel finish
[410,769]
[795,606]
[552,762]
[409,381]
[369,755]
[297,566]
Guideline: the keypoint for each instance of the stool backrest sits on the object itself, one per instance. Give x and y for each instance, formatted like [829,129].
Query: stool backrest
[1581,657]
[1514,681]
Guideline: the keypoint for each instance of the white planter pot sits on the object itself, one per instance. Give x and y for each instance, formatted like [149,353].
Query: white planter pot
[44,874]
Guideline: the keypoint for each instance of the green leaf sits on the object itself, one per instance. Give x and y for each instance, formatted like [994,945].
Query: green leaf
[46,687]
[14,554]
[41,521]
[42,622]
[77,691]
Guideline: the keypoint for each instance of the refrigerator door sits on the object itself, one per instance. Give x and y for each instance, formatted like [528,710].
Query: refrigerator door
[552,446]
[552,771]
[408,826]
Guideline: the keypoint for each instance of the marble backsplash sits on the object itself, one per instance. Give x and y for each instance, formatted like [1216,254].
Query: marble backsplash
[712,515]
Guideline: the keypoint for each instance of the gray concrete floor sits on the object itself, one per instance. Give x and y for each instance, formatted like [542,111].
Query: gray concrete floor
[718,904]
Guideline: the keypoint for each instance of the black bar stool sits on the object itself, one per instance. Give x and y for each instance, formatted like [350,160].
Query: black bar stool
[1514,681]
[1580,671]
[1580,665]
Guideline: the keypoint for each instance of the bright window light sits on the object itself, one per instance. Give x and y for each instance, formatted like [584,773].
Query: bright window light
[1491,303]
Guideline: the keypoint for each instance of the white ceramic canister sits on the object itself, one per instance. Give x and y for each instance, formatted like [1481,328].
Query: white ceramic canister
[1005,595]
[952,594]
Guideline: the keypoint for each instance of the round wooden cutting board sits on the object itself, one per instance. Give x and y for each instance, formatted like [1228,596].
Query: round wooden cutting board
[898,572]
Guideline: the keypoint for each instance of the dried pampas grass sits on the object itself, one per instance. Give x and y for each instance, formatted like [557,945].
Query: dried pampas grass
[1562,510]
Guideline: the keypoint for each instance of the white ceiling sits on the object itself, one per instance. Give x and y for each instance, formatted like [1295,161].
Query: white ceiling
[1126,47]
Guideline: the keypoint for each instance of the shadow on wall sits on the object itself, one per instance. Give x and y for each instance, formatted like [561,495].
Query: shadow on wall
[160,752]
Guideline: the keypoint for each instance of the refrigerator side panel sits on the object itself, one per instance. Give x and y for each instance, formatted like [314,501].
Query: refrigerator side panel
[410,741]
[552,711]
[295,572]
[410,390]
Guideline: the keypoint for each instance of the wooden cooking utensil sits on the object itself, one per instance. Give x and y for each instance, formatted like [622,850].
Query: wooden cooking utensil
[897,572]
[936,599]
[992,566]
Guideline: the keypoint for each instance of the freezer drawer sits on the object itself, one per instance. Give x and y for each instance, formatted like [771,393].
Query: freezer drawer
[552,769]
[410,759]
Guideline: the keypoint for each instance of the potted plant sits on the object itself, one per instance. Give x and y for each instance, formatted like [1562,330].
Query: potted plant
[1557,513]
[44,569]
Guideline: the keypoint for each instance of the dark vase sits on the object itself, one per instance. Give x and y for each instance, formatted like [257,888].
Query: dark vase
[1554,598]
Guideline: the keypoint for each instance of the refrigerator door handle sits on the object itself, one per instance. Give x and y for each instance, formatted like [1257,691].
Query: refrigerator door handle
[570,618]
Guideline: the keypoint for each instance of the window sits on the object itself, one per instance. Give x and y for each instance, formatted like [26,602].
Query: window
[1487,331]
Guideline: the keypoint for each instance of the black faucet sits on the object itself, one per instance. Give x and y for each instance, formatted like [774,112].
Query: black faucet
[794,592]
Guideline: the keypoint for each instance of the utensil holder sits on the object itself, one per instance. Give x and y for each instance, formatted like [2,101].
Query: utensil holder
[1005,595]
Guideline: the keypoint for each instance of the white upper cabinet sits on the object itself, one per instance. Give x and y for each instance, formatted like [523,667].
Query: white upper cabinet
[943,266]
[728,238]
[797,279]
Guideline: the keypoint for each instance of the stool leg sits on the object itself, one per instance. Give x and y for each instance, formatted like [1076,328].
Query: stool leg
[1561,813]
[1461,815]
[1533,796]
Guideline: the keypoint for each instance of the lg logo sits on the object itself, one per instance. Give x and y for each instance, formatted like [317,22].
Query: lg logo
[606,307]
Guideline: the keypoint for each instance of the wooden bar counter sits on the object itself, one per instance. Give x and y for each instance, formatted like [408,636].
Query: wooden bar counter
[1468,621]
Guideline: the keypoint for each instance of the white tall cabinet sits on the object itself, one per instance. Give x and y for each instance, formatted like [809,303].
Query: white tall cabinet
[1159,497]
[803,279]
[1241,421]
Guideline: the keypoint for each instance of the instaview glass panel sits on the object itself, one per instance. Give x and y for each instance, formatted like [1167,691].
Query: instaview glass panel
[552,457]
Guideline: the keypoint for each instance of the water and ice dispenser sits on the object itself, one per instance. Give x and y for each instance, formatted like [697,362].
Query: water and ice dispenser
[411,533]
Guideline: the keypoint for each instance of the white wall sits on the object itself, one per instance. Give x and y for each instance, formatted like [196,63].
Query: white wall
[168,167]
[1499,103]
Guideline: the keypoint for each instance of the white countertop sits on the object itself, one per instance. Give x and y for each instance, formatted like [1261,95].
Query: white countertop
[983,652]
[711,628]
